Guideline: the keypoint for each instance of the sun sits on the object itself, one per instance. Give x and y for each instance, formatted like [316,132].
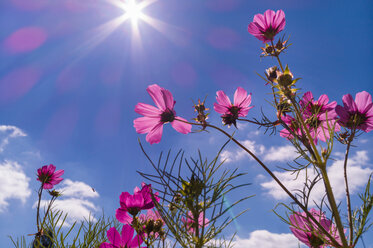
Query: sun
[133,10]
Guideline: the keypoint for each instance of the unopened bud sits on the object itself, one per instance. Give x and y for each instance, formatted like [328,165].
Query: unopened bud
[285,80]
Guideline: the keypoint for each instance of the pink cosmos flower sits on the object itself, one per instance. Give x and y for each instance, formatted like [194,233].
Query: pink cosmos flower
[318,115]
[189,222]
[265,27]
[292,124]
[231,112]
[133,204]
[152,223]
[122,241]
[155,117]
[356,114]
[308,232]
[49,177]
[151,215]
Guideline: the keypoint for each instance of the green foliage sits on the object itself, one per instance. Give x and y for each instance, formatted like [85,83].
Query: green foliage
[361,222]
[90,233]
[194,188]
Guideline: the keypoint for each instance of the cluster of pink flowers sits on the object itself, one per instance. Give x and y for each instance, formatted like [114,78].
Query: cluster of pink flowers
[322,117]
[189,222]
[130,207]
[124,240]
[319,117]
[49,177]
[308,232]
[133,204]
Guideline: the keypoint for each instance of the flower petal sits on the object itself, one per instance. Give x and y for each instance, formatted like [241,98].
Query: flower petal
[135,242]
[145,124]
[269,16]
[260,21]
[155,135]
[106,245]
[155,92]
[363,99]
[122,216]
[127,235]
[239,96]
[147,110]
[279,21]
[223,99]
[349,103]
[220,108]
[181,127]
[168,98]
[114,236]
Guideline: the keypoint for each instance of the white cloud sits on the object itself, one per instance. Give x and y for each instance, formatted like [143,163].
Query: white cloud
[238,153]
[8,132]
[281,153]
[76,209]
[266,239]
[358,175]
[14,184]
[74,201]
[77,189]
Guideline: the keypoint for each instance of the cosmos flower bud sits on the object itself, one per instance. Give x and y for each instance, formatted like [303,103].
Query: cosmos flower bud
[272,73]
[285,79]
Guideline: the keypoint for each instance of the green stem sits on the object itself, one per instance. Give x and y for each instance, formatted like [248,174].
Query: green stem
[277,56]
[351,233]
[333,206]
[40,192]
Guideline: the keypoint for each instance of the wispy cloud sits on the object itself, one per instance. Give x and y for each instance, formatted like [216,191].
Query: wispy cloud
[266,239]
[358,172]
[280,153]
[8,132]
[274,153]
[14,184]
[75,201]
[239,154]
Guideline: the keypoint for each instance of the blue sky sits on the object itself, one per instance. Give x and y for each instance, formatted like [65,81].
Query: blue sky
[67,95]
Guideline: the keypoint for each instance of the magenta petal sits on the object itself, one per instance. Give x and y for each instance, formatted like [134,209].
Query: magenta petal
[220,108]
[51,168]
[279,20]
[246,102]
[106,245]
[155,92]
[239,96]
[269,17]
[122,216]
[260,20]
[147,110]
[349,103]
[168,98]
[181,127]
[135,242]
[363,99]
[145,124]
[47,186]
[114,236]
[323,100]
[59,173]
[223,99]
[154,136]
[253,29]
[127,234]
